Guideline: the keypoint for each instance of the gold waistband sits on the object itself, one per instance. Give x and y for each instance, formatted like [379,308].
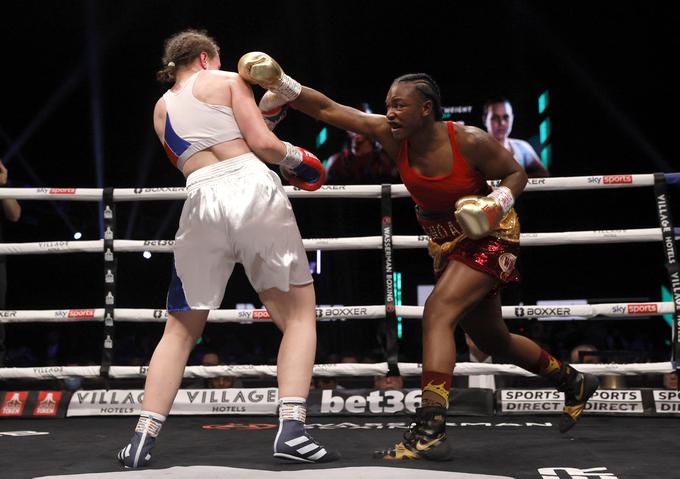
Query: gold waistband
[439,252]
[507,230]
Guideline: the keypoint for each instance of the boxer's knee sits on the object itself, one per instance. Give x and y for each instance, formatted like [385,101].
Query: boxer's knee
[441,311]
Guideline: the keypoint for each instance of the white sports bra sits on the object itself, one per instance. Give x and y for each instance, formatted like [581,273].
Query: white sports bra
[192,126]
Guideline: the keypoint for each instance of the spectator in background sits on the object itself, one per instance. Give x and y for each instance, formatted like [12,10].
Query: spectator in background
[360,161]
[211,358]
[670,381]
[349,358]
[11,211]
[589,354]
[580,354]
[382,383]
[326,382]
[498,118]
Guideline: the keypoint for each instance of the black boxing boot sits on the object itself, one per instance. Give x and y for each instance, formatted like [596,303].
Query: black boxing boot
[577,387]
[292,441]
[138,451]
[425,439]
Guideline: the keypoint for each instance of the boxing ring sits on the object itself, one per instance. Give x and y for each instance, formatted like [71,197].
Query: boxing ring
[593,449]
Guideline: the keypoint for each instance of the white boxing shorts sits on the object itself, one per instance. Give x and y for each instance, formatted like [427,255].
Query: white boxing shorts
[236,211]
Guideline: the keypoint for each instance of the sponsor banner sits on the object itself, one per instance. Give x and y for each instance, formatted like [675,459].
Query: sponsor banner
[617,179]
[323,313]
[550,401]
[260,314]
[667,403]
[542,311]
[105,403]
[53,245]
[13,403]
[344,312]
[159,242]
[62,191]
[175,189]
[610,233]
[536,181]
[234,401]
[344,402]
[257,401]
[48,404]
[49,372]
[33,404]
[372,425]
[360,402]
[81,313]
[642,308]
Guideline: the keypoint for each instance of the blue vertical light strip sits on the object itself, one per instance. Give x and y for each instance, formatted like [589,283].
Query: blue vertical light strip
[318,261]
[397,300]
[321,137]
[545,131]
[546,153]
[544,128]
[666,296]
[543,101]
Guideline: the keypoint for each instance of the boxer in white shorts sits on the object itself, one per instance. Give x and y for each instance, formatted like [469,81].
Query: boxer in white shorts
[236,211]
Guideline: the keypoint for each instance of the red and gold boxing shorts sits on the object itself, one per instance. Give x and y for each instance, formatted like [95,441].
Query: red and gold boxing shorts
[495,254]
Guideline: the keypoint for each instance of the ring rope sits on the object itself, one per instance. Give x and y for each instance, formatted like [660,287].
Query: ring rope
[367,191]
[323,370]
[329,191]
[640,235]
[570,312]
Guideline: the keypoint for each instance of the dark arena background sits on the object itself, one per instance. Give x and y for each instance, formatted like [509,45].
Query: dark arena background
[592,91]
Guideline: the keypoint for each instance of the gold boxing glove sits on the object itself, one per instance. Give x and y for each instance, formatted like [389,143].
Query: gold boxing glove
[261,69]
[480,215]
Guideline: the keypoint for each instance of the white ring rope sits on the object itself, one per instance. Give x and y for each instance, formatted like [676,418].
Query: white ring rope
[325,370]
[641,235]
[575,311]
[327,191]
[371,242]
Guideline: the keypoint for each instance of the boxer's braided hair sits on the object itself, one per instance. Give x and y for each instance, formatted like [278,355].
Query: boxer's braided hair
[427,87]
[181,49]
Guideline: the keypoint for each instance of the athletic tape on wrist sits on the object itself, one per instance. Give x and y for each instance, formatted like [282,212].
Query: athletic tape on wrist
[293,157]
[503,197]
[288,88]
[271,101]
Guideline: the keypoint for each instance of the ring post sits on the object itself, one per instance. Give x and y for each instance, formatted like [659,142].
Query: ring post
[670,252]
[388,338]
[110,269]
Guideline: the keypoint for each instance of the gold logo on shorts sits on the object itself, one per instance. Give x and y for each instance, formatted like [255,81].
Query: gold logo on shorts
[507,262]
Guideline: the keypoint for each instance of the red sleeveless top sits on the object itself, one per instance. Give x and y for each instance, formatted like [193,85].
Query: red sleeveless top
[440,193]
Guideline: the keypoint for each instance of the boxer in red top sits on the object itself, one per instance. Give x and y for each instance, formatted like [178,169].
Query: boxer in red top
[474,239]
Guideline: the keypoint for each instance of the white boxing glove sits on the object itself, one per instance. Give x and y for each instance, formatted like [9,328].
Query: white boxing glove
[274,108]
